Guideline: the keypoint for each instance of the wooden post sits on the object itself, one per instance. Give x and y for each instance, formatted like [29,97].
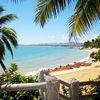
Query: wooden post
[52,88]
[74,89]
[41,75]
[41,79]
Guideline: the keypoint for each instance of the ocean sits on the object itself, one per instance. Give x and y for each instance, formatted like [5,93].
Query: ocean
[33,58]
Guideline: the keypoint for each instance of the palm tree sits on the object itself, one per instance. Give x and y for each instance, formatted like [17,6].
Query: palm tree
[86,12]
[7,36]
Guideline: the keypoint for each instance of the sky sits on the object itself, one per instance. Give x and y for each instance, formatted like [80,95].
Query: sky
[54,31]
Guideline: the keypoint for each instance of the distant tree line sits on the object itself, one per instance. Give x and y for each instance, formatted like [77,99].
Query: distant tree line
[95,43]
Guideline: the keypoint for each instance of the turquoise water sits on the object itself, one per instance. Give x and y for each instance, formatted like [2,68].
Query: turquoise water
[31,58]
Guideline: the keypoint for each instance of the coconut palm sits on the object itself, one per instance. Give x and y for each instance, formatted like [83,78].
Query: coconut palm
[86,12]
[7,36]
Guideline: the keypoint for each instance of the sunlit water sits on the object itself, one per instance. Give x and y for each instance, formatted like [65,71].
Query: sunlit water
[33,58]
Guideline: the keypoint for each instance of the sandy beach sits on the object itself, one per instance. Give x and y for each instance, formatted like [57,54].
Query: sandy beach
[83,73]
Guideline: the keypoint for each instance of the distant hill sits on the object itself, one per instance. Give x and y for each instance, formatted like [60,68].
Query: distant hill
[58,44]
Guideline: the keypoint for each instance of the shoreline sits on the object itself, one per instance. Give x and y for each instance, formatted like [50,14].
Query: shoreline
[84,73]
[81,74]
[78,64]
[82,60]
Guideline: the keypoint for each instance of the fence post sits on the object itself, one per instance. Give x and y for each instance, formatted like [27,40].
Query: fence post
[41,79]
[41,75]
[74,89]
[52,88]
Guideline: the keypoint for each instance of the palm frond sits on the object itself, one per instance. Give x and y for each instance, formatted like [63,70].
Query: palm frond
[1,9]
[2,49]
[48,8]
[7,36]
[86,13]
[7,18]
[6,42]
[10,34]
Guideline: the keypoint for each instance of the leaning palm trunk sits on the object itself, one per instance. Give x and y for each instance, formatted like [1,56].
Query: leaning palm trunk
[8,36]
[3,66]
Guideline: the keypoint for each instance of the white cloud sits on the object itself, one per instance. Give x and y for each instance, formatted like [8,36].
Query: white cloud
[93,36]
[64,38]
[87,37]
[51,37]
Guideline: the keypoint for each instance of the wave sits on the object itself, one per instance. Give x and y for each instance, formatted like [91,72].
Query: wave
[35,72]
[38,70]
[86,58]
[32,73]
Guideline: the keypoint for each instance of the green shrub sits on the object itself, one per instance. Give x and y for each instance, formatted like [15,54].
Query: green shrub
[13,77]
[95,56]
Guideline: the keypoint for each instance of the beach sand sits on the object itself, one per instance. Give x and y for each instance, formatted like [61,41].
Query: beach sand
[82,74]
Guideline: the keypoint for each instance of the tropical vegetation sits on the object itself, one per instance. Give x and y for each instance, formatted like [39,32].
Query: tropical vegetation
[95,43]
[13,77]
[86,12]
[8,37]
[95,56]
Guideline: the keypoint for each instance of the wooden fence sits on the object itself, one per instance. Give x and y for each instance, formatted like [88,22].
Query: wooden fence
[49,87]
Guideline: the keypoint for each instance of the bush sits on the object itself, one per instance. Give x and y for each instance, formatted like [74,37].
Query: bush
[95,56]
[13,77]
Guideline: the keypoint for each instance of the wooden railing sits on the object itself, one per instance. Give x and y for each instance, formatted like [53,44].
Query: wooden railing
[49,87]
[25,86]
[94,82]
[73,87]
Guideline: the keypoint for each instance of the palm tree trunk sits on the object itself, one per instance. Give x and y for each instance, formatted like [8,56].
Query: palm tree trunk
[3,66]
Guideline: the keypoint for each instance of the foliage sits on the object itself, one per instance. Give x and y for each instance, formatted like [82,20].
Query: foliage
[13,77]
[65,90]
[95,56]
[86,12]
[95,43]
[87,44]
[7,35]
